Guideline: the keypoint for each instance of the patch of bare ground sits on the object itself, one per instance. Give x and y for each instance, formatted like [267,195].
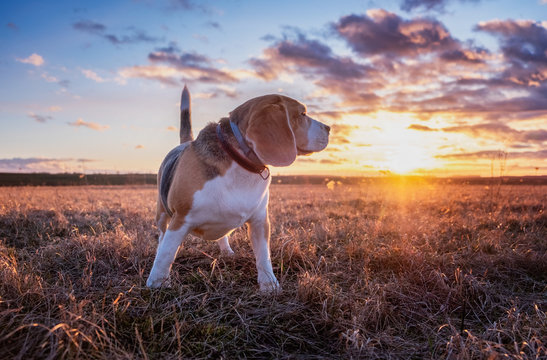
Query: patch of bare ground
[376,271]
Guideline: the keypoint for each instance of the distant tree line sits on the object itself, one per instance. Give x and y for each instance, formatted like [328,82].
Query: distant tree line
[46,179]
[66,179]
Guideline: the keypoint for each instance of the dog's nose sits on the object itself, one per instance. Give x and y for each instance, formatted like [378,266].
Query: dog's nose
[327,127]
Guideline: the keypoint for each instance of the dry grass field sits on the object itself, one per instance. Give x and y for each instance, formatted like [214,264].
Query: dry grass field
[396,271]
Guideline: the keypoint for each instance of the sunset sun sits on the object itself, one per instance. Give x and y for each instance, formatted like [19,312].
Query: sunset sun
[407,159]
[394,145]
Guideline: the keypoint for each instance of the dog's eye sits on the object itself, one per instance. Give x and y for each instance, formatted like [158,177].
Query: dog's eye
[303,113]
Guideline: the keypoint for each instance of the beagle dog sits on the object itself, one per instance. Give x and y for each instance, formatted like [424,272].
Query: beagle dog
[214,184]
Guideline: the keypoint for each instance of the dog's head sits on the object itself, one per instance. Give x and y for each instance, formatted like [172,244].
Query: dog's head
[278,129]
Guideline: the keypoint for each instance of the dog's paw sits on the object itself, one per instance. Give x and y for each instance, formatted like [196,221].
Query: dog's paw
[158,283]
[270,287]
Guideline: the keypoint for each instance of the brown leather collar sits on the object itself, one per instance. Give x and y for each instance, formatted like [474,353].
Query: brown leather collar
[244,161]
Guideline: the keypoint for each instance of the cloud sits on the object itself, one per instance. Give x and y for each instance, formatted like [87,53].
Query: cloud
[163,74]
[398,58]
[473,56]
[217,92]
[385,33]
[227,91]
[333,161]
[89,27]
[92,75]
[134,36]
[33,59]
[183,4]
[329,160]
[495,154]
[340,133]
[64,83]
[171,66]
[409,5]
[55,108]
[306,56]
[91,125]
[139,146]
[137,36]
[419,67]
[193,66]
[538,135]
[12,26]
[420,128]
[39,118]
[52,79]
[500,132]
[523,44]
[521,40]
[189,5]
[497,131]
[216,25]
[172,128]
[436,5]
[49,78]
[341,76]
[38,164]
[332,114]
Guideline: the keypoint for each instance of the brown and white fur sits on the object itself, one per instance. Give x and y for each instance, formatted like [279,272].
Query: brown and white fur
[210,195]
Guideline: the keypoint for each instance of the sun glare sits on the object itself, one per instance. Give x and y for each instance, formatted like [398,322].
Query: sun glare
[392,146]
[408,159]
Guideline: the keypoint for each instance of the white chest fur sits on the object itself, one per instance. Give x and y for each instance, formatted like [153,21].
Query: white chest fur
[227,202]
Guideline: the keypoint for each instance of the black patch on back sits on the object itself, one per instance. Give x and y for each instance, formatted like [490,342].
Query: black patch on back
[167,169]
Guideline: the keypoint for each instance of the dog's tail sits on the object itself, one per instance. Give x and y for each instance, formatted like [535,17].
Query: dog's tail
[185,117]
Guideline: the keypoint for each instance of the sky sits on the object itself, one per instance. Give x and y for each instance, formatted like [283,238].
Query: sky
[427,87]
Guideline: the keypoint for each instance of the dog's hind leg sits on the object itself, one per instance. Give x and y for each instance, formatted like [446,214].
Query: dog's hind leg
[165,255]
[162,218]
[224,245]
[161,223]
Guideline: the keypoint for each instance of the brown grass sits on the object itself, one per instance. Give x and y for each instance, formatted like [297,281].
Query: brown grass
[376,271]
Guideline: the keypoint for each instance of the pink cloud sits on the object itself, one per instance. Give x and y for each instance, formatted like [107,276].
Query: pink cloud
[91,125]
[33,59]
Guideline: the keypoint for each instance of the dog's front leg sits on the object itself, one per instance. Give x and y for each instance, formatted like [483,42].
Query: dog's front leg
[165,255]
[259,228]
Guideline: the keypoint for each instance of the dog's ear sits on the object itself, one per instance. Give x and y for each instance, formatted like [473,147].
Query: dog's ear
[270,133]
